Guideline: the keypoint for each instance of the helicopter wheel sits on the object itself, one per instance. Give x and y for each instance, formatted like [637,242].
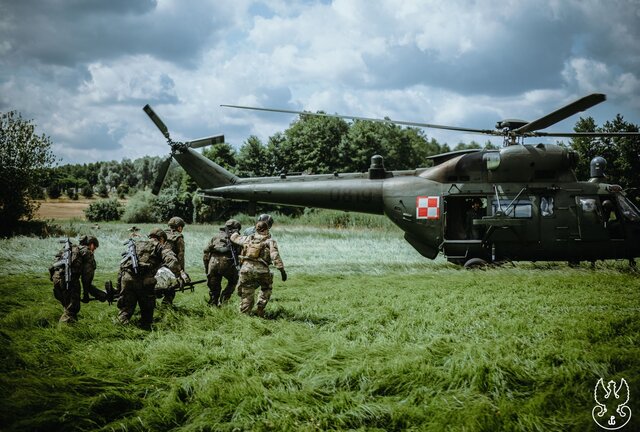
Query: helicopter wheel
[475,263]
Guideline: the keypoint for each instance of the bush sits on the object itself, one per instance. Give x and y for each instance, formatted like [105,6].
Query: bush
[87,191]
[102,190]
[140,209]
[53,191]
[104,210]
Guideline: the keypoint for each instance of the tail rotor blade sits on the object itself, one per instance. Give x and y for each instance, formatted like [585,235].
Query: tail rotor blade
[162,173]
[203,142]
[156,120]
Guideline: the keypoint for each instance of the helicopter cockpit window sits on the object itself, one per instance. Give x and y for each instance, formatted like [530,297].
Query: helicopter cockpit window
[520,209]
[627,208]
[546,206]
[492,160]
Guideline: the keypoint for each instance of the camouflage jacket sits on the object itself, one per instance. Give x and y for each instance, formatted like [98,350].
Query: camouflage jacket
[175,242]
[151,256]
[258,252]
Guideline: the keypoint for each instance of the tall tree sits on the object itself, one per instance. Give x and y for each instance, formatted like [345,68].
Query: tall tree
[311,144]
[622,153]
[24,158]
[252,158]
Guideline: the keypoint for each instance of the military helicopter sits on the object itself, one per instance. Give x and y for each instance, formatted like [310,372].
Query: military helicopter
[527,203]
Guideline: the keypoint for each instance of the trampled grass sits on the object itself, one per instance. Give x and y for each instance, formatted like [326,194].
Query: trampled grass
[366,335]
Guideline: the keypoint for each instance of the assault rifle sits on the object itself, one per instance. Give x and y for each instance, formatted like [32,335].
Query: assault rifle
[65,261]
[130,253]
[232,248]
[179,287]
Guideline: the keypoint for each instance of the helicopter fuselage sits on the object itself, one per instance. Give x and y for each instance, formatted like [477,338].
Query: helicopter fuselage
[532,206]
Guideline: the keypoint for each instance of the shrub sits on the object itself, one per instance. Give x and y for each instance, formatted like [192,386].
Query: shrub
[104,210]
[102,191]
[140,209]
[87,191]
[53,191]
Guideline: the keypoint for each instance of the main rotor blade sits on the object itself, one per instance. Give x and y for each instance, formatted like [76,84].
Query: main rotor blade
[162,173]
[155,119]
[562,113]
[404,123]
[203,142]
[587,134]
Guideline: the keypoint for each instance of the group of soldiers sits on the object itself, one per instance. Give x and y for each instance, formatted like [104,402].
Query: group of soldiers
[155,267]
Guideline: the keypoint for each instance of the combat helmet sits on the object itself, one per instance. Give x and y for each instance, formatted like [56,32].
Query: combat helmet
[86,240]
[265,218]
[176,222]
[233,225]
[158,233]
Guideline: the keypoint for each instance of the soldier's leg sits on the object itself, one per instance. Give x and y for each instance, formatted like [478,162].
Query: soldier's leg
[232,280]
[266,287]
[147,301]
[128,299]
[97,293]
[247,286]
[71,303]
[168,297]
[214,282]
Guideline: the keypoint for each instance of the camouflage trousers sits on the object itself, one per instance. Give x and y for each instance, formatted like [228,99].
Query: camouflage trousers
[137,290]
[68,298]
[221,267]
[247,284]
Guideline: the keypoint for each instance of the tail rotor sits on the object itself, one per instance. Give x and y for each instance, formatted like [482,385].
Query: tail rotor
[176,146]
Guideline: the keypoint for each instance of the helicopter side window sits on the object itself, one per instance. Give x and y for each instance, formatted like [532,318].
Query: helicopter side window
[628,209]
[492,160]
[546,206]
[520,209]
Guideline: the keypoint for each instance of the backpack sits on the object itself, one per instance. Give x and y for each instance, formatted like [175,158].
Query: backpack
[172,240]
[254,247]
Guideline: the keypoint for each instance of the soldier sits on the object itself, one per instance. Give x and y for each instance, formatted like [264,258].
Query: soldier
[474,232]
[220,260]
[175,241]
[138,286]
[82,268]
[262,218]
[259,250]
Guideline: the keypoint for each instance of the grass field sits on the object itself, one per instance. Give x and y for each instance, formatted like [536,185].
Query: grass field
[365,334]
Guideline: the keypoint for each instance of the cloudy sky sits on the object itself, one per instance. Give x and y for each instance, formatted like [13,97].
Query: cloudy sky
[83,69]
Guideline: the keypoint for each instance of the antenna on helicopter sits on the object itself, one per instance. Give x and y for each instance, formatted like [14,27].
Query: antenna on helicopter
[176,147]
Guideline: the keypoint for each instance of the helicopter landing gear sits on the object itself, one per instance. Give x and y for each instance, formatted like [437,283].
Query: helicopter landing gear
[475,263]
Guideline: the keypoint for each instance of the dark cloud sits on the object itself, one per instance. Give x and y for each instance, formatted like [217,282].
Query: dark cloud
[72,32]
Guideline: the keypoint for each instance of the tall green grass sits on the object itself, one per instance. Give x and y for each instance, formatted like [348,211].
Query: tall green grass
[365,335]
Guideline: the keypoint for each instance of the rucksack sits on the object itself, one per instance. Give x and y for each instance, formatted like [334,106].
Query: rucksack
[254,247]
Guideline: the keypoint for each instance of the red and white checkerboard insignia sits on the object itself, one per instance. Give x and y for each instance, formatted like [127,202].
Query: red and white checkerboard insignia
[428,207]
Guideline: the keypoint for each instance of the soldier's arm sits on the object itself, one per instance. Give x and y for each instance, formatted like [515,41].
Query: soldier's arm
[88,268]
[170,260]
[275,254]
[238,239]
[180,252]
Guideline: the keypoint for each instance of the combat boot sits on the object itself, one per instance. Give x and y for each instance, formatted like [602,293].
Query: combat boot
[260,312]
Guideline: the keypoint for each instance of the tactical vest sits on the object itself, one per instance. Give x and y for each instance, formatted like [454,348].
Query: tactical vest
[76,264]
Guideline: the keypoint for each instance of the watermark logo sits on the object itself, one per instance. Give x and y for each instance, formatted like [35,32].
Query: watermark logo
[611,411]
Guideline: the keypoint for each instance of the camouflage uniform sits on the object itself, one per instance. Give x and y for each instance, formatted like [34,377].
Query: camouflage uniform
[259,251]
[83,267]
[138,288]
[175,243]
[218,264]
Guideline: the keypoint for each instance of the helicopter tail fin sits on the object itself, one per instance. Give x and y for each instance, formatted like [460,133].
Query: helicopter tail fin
[206,173]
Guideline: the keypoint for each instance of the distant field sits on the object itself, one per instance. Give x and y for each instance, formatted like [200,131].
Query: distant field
[365,335]
[63,209]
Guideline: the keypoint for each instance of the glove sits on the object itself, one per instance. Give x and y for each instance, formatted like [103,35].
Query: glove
[185,277]
[283,274]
